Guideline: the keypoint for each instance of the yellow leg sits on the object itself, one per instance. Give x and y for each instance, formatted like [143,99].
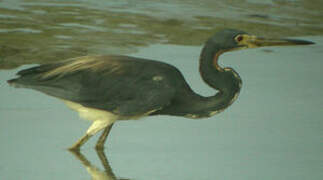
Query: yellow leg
[80,142]
[103,137]
[93,129]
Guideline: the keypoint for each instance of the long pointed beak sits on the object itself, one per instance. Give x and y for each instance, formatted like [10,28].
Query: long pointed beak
[254,41]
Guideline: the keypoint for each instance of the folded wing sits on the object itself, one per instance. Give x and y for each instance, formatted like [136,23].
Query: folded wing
[123,85]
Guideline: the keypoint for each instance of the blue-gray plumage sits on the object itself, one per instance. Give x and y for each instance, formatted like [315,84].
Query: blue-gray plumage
[109,88]
[123,85]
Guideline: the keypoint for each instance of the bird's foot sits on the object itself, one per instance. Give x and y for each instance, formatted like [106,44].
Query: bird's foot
[74,148]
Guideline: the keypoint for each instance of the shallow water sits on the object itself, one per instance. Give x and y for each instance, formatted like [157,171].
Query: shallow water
[273,130]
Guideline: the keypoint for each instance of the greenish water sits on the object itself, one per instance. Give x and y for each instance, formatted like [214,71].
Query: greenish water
[273,130]
[39,31]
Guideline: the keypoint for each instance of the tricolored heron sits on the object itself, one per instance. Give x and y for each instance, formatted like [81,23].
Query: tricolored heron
[105,89]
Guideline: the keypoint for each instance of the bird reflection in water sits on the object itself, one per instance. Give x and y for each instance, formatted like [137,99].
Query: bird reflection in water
[96,173]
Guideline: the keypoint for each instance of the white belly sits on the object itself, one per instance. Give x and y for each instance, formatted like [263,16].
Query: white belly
[100,118]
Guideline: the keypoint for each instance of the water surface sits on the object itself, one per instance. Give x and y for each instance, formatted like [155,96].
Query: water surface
[40,31]
[273,130]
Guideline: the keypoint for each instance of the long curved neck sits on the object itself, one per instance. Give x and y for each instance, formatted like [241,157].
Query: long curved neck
[225,80]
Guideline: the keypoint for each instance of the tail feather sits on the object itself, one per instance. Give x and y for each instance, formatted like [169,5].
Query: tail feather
[33,78]
[37,69]
[28,71]
[13,82]
[30,76]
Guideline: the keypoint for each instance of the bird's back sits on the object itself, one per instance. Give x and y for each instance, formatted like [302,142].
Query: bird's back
[122,84]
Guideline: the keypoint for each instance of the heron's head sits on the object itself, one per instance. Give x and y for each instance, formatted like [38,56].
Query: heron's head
[230,39]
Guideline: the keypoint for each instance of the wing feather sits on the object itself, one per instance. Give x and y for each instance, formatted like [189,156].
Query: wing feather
[124,85]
